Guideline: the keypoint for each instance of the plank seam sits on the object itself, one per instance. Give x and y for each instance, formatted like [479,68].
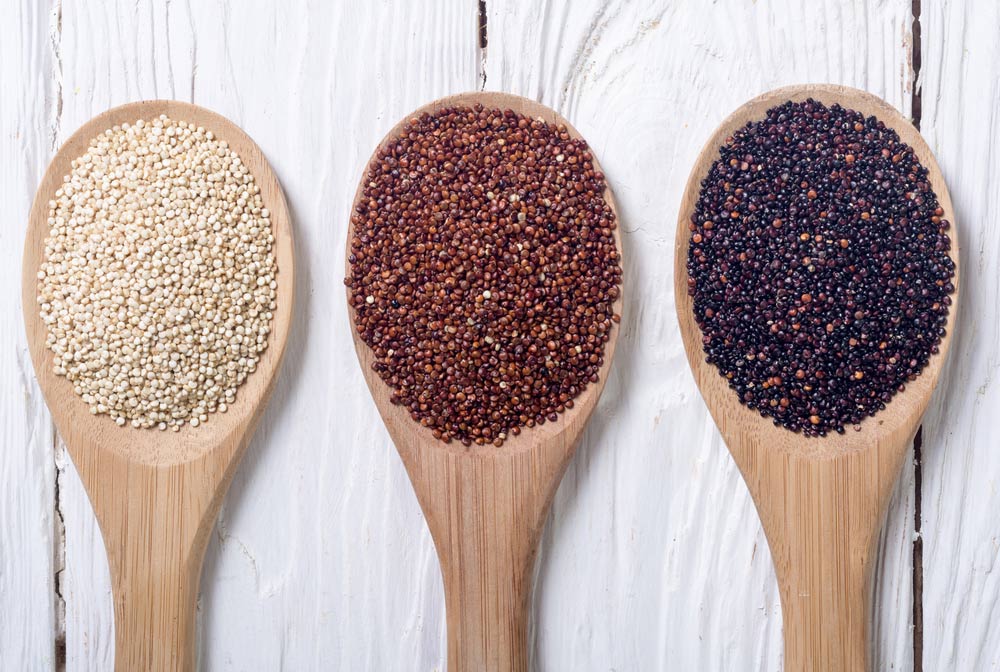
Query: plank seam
[59,552]
[918,557]
[916,95]
[59,518]
[483,41]
[55,44]
[916,113]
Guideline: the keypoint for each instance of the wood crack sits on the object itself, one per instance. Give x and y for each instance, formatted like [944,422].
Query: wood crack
[483,41]
[55,44]
[918,558]
[59,559]
[916,105]
[58,518]
[916,102]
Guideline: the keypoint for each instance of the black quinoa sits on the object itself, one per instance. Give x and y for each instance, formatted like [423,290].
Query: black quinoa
[819,266]
[484,271]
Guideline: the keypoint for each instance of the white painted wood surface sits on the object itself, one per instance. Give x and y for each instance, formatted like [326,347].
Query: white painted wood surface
[653,558]
[961,472]
[29,526]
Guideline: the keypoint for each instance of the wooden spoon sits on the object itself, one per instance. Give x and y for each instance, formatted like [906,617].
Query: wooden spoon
[156,494]
[486,506]
[822,501]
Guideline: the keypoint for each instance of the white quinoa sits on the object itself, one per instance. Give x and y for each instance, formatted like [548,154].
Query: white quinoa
[158,283]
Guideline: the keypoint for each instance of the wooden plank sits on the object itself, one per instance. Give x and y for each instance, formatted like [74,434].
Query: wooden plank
[653,515]
[321,558]
[679,567]
[961,467]
[30,544]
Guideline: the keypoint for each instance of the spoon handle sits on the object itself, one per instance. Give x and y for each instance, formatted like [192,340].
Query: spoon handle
[155,587]
[822,518]
[486,514]
[156,522]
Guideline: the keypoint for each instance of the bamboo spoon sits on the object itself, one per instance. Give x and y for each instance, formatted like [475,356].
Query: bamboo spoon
[822,501]
[486,506]
[156,494]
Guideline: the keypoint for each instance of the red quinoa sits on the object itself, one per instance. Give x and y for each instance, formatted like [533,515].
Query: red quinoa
[483,271]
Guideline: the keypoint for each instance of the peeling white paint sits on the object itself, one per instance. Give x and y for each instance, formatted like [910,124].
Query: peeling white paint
[961,455]
[28,525]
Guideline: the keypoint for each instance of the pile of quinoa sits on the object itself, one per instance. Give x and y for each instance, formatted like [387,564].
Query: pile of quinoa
[158,281]
[819,267]
[483,271]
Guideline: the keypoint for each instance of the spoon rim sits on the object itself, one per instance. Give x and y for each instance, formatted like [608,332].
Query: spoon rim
[737,422]
[407,434]
[83,432]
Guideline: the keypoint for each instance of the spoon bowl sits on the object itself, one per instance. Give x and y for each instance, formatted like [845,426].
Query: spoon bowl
[156,493]
[486,505]
[821,501]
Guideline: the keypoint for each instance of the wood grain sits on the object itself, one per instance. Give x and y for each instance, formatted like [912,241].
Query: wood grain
[337,481]
[156,493]
[486,505]
[30,561]
[647,83]
[961,467]
[652,512]
[821,502]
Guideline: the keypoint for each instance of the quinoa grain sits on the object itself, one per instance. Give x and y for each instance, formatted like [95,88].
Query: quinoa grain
[158,281]
[848,299]
[488,247]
